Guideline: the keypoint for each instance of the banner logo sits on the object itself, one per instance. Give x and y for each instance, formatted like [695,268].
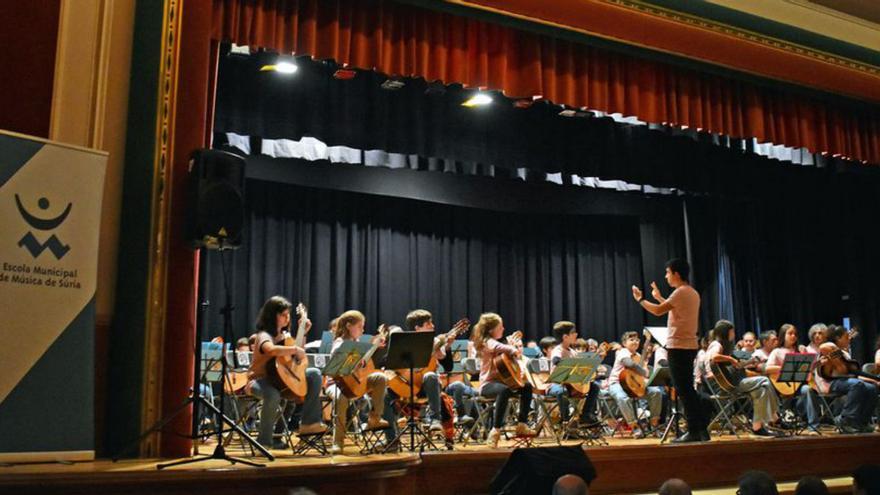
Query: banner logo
[30,242]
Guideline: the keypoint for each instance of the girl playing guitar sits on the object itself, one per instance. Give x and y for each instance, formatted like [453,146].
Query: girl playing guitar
[272,323]
[486,333]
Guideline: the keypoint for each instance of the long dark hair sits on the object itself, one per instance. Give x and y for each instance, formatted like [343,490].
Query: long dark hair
[720,333]
[266,320]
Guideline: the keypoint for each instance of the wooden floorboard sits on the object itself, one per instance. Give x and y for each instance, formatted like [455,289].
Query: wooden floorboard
[625,466]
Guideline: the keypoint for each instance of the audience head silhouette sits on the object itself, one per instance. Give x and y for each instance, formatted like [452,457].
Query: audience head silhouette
[811,485]
[570,484]
[756,483]
[675,486]
[866,480]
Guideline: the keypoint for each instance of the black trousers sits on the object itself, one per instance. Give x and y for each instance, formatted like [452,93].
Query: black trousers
[681,367]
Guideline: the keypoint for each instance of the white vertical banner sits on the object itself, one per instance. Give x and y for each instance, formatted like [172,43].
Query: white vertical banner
[50,217]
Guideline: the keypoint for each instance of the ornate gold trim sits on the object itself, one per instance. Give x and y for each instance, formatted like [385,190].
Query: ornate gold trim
[745,34]
[159,222]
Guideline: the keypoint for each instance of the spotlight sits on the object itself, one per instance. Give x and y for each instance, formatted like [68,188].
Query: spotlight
[478,100]
[280,67]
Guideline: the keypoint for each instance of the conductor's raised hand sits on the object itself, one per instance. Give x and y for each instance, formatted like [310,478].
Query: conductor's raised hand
[655,292]
[637,293]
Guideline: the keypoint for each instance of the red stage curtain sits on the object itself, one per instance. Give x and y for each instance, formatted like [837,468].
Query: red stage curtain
[406,40]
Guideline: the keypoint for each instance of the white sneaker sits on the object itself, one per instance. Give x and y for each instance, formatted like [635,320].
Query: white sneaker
[435,425]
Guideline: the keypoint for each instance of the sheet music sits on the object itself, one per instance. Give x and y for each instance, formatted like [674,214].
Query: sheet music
[660,334]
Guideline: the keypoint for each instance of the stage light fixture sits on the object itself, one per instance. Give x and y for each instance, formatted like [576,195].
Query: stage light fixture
[344,74]
[282,67]
[478,100]
[393,84]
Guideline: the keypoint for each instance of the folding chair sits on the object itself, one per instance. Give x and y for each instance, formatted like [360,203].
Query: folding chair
[539,373]
[826,412]
[730,406]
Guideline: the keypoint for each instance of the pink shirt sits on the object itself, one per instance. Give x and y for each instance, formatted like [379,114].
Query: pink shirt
[488,371]
[713,350]
[877,357]
[760,355]
[619,356]
[778,356]
[822,384]
[700,366]
[561,353]
[683,317]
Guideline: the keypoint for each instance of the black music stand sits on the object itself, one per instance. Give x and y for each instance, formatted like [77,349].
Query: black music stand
[795,370]
[796,367]
[411,350]
[196,399]
[661,377]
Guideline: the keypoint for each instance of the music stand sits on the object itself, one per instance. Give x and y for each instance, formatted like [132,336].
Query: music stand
[344,359]
[575,371]
[196,398]
[342,362]
[795,370]
[661,377]
[796,367]
[410,350]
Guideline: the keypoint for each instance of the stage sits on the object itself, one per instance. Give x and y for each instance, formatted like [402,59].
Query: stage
[624,466]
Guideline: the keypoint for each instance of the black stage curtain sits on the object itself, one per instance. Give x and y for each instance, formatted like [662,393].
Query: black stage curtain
[427,120]
[800,257]
[386,256]
[770,243]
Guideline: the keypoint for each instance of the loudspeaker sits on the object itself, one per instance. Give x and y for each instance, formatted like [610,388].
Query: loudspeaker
[535,470]
[215,213]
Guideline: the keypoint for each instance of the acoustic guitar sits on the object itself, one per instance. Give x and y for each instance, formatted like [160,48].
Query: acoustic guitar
[728,375]
[354,385]
[509,370]
[634,384]
[235,381]
[398,380]
[287,373]
[837,365]
[787,389]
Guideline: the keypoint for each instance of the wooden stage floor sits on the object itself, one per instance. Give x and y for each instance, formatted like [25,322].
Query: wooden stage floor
[624,466]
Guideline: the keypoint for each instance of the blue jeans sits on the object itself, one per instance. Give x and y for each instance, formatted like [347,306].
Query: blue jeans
[861,399]
[808,404]
[463,395]
[562,395]
[653,397]
[311,411]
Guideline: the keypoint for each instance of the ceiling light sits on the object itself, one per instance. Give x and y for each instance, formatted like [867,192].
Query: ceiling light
[478,100]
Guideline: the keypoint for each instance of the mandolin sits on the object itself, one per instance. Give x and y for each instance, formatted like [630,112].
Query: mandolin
[509,370]
[287,373]
[398,380]
[355,384]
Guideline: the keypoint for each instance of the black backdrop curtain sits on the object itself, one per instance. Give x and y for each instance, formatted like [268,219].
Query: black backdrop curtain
[800,257]
[428,120]
[386,256]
